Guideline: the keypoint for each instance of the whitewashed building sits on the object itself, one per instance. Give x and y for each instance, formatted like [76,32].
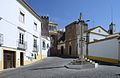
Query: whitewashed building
[20,34]
[45,42]
[97,33]
[45,39]
[106,50]
[94,34]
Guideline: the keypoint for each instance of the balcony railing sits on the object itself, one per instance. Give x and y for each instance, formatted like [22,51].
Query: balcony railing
[52,32]
[1,39]
[35,48]
[22,46]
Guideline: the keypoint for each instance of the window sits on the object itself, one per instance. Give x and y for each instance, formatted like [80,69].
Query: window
[35,43]
[99,30]
[41,26]
[47,45]
[44,45]
[35,26]
[22,17]
[21,38]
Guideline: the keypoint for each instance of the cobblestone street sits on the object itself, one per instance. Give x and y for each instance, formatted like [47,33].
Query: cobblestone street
[53,67]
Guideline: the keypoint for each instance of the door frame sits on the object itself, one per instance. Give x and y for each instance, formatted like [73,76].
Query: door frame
[14,58]
[21,58]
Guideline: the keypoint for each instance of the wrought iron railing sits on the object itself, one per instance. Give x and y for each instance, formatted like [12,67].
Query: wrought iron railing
[21,45]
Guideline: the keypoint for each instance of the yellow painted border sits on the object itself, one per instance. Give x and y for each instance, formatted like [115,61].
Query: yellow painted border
[104,59]
[39,57]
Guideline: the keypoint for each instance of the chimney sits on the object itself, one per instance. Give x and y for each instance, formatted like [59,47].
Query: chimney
[81,17]
[111,28]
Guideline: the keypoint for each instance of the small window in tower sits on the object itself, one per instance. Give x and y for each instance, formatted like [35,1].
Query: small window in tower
[99,30]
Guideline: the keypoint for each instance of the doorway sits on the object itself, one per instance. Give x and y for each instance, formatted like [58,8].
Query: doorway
[21,59]
[9,59]
[62,50]
[70,50]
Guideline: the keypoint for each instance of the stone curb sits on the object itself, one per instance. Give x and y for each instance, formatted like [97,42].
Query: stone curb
[85,66]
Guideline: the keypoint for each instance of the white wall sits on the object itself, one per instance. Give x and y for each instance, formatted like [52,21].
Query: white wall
[1,53]
[45,51]
[10,10]
[107,48]
[93,36]
[101,31]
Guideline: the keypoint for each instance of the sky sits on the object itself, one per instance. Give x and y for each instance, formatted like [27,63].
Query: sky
[64,12]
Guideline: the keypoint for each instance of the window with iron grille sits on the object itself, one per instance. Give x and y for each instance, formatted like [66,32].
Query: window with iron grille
[35,43]
[21,38]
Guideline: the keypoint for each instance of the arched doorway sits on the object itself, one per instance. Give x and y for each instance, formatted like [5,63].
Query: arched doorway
[62,50]
[70,50]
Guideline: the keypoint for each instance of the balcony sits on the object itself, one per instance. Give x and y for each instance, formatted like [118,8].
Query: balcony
[1,39]
[21,45]
[54,32]
[35,48]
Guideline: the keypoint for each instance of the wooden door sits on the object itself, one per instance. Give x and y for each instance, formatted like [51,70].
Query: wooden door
[9,59]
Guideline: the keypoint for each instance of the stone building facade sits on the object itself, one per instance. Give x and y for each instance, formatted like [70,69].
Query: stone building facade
[45,39]
[44,25]
[53,28]
[72,36]
[61,43]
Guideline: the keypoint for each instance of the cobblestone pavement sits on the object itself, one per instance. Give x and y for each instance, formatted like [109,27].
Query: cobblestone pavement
[53,67]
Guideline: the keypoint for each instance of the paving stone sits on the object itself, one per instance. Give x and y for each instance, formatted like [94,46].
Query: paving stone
[53,67]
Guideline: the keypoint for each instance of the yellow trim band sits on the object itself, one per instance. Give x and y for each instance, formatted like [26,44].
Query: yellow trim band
[110,60]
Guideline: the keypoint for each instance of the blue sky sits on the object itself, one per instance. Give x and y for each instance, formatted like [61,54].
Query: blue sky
[64,12]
